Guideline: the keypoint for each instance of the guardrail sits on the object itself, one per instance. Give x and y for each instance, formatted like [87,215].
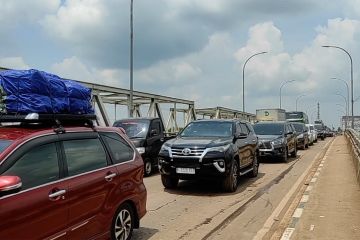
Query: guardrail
[354,140]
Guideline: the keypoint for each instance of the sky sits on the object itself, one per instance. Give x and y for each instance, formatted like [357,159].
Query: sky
[195,49]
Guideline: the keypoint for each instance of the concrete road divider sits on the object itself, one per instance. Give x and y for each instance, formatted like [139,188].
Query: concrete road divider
[354,143]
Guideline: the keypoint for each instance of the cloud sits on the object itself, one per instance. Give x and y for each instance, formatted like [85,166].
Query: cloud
[98,31]
[218,81]
[76,20]
[73,68]
[19,11]
[212,76]
[13,63]
[271,68]
[352,8]
[193,49]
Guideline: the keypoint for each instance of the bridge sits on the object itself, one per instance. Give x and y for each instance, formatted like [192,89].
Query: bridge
[314,196]
[322,202]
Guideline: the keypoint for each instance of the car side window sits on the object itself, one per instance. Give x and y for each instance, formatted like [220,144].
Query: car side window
[155,125]
[238,128]
[292,128]
[244,129]
[119,148]
[38,166]
[78,162]
[251,129]
[289,128]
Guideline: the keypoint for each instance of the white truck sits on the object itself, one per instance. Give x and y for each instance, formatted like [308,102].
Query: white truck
[270,114]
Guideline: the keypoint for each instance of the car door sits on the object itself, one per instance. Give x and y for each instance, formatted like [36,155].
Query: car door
[248,147]
[253,140]
[240,145]
[291,137]
[155,138]
[91,180]
[40,209]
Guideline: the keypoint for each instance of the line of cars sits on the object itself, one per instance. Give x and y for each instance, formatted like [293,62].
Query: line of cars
[81,181]
[79,169]
[214,149]
[284,138]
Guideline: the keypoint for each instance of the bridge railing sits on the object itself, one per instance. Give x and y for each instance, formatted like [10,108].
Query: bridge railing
[354,140]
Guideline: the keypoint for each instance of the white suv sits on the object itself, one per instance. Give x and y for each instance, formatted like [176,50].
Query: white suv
[312,133]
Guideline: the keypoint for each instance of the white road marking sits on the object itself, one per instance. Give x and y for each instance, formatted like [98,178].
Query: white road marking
[287,233]
[269,222]
[305,198]
[312,227]
[298,212]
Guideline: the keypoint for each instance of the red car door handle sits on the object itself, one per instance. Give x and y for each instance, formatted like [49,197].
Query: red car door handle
[57,194]
[110,176]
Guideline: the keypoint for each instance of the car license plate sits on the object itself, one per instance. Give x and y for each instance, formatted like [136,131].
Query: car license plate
[185,170]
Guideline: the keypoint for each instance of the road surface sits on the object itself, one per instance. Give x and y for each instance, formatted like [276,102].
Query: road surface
[200,210]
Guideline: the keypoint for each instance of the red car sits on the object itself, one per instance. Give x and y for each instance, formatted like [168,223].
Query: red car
[69,183]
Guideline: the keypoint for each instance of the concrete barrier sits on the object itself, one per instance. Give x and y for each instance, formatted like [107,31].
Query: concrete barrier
[354,144]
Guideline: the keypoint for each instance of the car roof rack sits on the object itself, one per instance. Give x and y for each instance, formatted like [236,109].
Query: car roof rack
[58,120]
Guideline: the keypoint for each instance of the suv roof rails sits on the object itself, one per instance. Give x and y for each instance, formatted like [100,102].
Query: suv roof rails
[57,120]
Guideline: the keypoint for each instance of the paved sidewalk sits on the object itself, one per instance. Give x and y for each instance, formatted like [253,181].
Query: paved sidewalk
[331,203]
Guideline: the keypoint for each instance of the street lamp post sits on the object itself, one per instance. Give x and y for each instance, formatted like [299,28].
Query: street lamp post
[340,105]
[342,112]
[347,88]
[288,81]
[309,108]
[243,78]
[131,60]
[352,81]
[346,103]
[312,118]
[297,99]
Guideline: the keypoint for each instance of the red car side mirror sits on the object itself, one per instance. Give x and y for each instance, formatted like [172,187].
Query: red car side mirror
[8,183]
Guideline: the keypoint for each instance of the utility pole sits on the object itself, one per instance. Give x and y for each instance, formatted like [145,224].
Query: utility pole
[131,104]
[318,111]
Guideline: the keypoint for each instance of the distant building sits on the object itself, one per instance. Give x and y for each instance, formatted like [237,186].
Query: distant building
[347,120]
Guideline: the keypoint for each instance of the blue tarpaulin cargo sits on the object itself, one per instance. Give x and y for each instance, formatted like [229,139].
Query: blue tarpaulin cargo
[34,91]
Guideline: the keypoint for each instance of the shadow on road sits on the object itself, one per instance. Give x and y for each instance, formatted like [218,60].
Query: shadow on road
[277,160]
[143,233]
[211,188]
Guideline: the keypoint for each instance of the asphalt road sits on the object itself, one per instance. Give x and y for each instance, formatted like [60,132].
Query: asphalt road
[200,210]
